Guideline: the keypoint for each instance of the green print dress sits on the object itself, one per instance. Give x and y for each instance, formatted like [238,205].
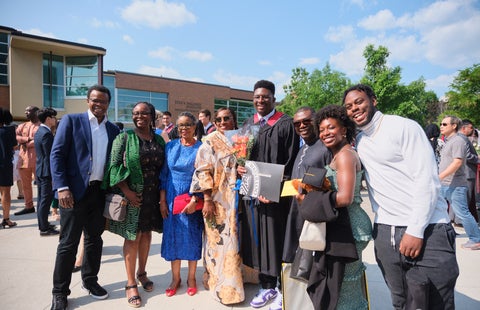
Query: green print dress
[351,293]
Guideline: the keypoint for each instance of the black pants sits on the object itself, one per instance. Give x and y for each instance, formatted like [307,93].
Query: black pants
[45,197]
[437,263]
[86,216]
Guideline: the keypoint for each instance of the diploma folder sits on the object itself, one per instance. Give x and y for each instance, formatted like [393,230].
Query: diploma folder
[262,179]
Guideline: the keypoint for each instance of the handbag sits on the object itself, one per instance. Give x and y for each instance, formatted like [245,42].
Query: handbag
[181,201]
[302,265]
[312,236]
[115,207]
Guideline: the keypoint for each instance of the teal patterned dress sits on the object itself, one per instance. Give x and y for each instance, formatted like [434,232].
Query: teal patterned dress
[351,293]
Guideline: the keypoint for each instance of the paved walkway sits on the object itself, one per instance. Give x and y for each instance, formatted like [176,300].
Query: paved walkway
[27,262]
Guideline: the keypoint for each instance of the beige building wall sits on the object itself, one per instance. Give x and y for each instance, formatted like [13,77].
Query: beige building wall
[25,81]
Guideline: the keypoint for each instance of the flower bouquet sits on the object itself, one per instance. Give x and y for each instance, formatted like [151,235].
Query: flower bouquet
[242,141]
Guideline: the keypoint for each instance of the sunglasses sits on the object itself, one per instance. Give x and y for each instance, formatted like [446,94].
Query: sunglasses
[220,119]
[444,124]
[305,122]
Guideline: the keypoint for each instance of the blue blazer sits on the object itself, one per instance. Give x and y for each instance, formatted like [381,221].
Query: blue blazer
[71,157]
[43,141]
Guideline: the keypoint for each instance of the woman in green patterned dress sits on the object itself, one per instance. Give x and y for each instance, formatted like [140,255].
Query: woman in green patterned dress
[135,164]
[344,172]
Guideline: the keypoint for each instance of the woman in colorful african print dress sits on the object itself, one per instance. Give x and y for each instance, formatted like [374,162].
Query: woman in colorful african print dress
[136,160]
[215,177]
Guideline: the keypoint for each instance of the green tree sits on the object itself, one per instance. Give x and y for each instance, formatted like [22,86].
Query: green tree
[464,98]
[320,88]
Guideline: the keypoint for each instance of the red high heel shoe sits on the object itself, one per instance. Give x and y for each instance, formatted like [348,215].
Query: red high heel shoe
[172,291]
[192,290]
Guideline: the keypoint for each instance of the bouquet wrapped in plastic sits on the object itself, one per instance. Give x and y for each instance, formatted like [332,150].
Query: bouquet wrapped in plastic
[242,141]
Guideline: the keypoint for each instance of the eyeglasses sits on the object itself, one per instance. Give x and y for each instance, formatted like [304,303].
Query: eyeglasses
[220,119]
[98,101]
[140,113]
[305,122]
[260,97]
[185,126]
[444,124]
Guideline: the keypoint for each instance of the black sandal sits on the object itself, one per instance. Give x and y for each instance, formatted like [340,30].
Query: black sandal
[132,300]
[147,284]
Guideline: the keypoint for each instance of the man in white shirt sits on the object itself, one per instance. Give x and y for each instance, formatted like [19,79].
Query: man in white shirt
[205,116]
[414,240]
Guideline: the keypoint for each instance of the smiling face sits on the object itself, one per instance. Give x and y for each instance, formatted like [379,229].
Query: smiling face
[224,121]
[141,116]
[186,127]
[332,133]
[263,101]
[360,109]
[98,104]
[304,125]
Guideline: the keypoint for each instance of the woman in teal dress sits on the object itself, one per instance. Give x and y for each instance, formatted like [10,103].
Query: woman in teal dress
[135,163]
[182,233]
[336,131]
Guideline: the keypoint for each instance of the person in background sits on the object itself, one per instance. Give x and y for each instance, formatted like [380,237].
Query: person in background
[182,233]
[433,134]
[134,169]
[158,122]
[26,161]
[471,162]
[215,176]
[167,121]
[204,116]
[7,144]
[120,126]
[80,153]
[264,221]
[414,240]
[43,141]
[454,179]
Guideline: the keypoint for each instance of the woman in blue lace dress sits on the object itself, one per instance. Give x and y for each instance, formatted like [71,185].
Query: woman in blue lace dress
[182,233]
[344,172]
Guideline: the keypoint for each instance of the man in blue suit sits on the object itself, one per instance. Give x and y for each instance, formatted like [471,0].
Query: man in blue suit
[43,141]
[80,152]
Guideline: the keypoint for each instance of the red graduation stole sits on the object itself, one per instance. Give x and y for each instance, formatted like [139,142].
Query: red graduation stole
[271,121]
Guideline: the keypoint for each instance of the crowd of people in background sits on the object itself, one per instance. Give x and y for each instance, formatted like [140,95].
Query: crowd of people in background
[419,182]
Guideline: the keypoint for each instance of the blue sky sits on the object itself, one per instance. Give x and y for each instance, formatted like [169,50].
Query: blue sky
[236,43]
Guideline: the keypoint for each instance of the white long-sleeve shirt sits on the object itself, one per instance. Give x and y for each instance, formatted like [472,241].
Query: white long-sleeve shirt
[401,174]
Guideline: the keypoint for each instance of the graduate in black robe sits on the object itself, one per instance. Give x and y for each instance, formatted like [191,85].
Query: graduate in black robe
[263,224]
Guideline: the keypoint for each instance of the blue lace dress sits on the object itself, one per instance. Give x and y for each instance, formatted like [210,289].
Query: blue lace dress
[351,293]
[182,233]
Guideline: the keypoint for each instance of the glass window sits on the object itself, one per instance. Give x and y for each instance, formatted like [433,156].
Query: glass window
[3,58]
[244,109]
[53,81]
[81,73]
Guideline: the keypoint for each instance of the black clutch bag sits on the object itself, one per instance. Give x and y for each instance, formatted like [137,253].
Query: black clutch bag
[314,176]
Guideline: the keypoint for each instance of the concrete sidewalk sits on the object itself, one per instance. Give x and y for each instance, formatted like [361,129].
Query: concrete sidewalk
[27,264]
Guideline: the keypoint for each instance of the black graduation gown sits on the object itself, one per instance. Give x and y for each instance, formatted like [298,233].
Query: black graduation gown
[263,225]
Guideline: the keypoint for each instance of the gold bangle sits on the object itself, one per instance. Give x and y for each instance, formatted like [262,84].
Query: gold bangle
[209,199]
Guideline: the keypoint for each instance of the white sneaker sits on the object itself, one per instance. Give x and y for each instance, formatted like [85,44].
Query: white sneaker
[263,297]
[277,302]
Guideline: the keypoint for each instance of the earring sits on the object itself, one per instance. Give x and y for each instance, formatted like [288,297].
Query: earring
[344,136]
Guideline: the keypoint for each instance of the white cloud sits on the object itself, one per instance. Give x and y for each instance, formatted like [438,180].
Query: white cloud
[38,32]
[384,19]
[128,39]
[197,55]
[157,14]
[234,80]
[340,34]
[82,40]
[441,81]
[309,61]
[164,53]
[264,62]
[160,71]
[96,23]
